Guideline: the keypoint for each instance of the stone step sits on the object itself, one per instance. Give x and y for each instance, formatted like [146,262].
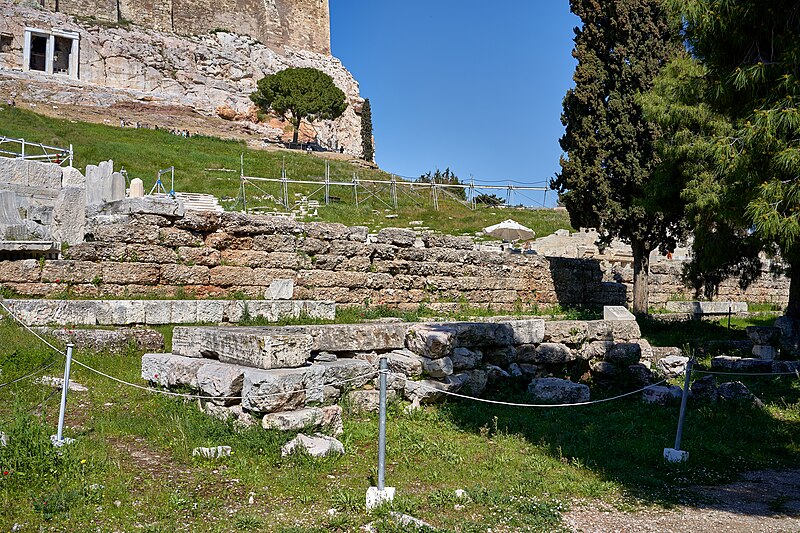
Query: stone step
[332,337]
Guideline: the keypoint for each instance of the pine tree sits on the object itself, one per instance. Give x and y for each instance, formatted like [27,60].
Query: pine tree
[751,52]
[366,132]
[606,179]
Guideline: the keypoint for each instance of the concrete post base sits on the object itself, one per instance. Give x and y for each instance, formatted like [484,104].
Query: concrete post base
[671,455]
[376,497]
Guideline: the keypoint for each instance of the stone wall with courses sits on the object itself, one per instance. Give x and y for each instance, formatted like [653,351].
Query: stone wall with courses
[213,255]
[666,285]
[303,24]
[203,72]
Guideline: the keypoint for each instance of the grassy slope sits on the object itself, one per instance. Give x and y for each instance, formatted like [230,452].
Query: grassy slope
[132,468]
[144,152]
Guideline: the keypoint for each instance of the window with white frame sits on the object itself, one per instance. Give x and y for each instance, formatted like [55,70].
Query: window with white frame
[53,52]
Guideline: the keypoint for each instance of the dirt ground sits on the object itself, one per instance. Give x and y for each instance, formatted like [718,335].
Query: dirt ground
[765,501]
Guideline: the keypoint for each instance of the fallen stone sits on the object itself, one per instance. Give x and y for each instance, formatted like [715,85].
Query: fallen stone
[768,336]
[624,353]
[672,365]
[515,370]
[314,417]
[466,359]
[549,353]
[725,363]
[168,370]
[318,445]
[432,341]
[734,391]
[212,453]
[3,439]
[705,390]
[404,362]
[475,383]
[640,374]
[368,400]
[595,350]
[437,368]
[147,205]
[58,383]
[662,394]
[505,355]
[767,353]
[221,380]
[347,373]
[555,390]
[283,389]
[790,335]
[325,357]
[605,370]
[707,308]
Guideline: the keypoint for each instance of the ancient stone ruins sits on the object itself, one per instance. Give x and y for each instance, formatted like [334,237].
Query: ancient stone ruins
[199,55]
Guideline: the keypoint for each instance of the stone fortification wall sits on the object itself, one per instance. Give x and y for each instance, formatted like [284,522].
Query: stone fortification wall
[135,247]
[221,255]
[666,284]
[303,24]
[205,72]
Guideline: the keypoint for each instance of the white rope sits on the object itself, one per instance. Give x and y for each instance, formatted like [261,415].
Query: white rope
[202,397]
[26,326]
[547,405]
[34,373]
[796,373]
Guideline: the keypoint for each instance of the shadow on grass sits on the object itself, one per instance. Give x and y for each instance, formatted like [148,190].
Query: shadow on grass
[623,441]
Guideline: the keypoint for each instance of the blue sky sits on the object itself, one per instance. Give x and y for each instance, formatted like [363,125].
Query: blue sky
[475,86]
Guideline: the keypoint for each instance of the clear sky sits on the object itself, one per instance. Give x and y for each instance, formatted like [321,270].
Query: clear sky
[473,85]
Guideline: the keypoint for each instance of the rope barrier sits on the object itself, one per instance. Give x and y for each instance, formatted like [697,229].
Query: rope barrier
[205,397]
[27,327]
[32,374]
[713,372]
[534,405]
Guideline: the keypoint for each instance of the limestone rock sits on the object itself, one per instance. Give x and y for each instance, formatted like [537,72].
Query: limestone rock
[466,359]
[550,353]
[212,453]
[354,372]
[768,336]
[672,365]
[396,236]
[368,400]
[313,417]
[221,380]
[624,353]
[726,363]
[267,391]
[735,391]
[555,390]
[316,446]
[280,289]
[617,313]
[662,394]
[404,362]
[437,368]
[433,341]
[245,346]
[705,389]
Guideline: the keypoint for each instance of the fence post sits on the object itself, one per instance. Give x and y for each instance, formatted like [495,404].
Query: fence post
[23,148]
[675,455]
[381,493]
[58,439]
[71,155]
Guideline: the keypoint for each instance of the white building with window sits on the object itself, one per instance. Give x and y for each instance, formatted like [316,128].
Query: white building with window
[53,52]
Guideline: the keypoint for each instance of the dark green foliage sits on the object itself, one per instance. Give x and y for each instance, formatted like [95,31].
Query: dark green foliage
[447,177]
[750,200]
[608,173]
[300,93]
[366,132]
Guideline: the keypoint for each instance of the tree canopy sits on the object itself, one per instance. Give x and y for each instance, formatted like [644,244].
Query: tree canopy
[300,93]
[608,176]
[749,197]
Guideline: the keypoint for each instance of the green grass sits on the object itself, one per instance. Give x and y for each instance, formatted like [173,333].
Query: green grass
[699,332]
[143,152]
[131,466]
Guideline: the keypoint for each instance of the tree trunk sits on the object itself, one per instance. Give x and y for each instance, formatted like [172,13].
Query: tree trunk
[793,309]
[296,131]
[641,276]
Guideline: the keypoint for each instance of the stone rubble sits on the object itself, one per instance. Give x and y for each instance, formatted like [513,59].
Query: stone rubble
[318,445]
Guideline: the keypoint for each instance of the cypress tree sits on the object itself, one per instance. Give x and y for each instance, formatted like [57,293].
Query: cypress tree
[606,179]
[366,131]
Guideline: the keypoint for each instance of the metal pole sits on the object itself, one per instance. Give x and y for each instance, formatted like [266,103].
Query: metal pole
[684,398]
[23,148]
[71,154]
[382,426]
[729,317]
[64,389]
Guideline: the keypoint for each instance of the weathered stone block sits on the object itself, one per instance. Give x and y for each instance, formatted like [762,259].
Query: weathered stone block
[280,289]
[617,313]
[267,391]
[221,380]
[466,359]
[530,331]
[312,417]
[437,368]
[547,353]
[245,346]
[740,364]
[404,362]
[317,446]
[624,353]
[433,341]
[169,370]
[396,237]
[555,390]
[707,308]
[148,205]
[347,373]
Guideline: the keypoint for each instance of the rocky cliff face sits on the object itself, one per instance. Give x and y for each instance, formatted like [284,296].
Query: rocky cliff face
[207,72]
